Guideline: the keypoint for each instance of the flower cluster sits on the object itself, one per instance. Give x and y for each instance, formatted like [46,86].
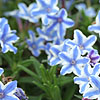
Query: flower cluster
[55,23]
[75,56]
[79,56]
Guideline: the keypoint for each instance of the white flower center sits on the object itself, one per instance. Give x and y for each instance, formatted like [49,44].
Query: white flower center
[48,10]
[59,20]
[73,62]
[81,47]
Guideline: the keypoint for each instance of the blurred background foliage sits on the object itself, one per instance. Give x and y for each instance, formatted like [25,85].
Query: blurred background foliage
[39,80]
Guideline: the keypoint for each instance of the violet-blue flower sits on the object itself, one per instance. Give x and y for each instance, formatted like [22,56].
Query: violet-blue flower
[84,43]
[72,61]
[84,79]
[7,91]
[94,57]
[60,22]
[45,7]
[35,44]
[96,27]
[25,12]
[7,38]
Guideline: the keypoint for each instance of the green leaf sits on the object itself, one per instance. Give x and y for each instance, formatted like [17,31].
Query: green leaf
[43,73]
[26,79]
[27,62]
[36,64]
[62,80]
[78,96]
[36,97]
[29,72]
[56,93]
[68,94]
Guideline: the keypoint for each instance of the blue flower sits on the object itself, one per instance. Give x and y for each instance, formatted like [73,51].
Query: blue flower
[45,8]
[35,44]
[48,36]
[72,61]
[94,57]
[84,80]
[20,94]
[96,27]
[7,38]
[55,50]
[84,44]
[60,22]
[25,12]
[7,91]
[94,91]
[1,71]
[90,12]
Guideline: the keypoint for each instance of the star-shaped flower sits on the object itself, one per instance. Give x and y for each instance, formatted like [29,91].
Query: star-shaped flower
[7,38]
[35,44]
[72,61]
[84,79]
[94,91]
[45,7]
[94,57]
[25,12]
[84,44]
[96,27]
[60,22]
[55,50]
[7,91]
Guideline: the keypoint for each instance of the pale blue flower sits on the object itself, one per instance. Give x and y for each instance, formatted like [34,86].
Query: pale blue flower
[84,43]
[7,91]
[96,27]
[55,50]
[25,12]
[45,7]
[94,91]
[35,44]
[72,61]
[7,38]
[90,12]
[84,79]
[60,22]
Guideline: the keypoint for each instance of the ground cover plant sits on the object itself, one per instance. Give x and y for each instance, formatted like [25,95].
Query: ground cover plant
[49,49]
